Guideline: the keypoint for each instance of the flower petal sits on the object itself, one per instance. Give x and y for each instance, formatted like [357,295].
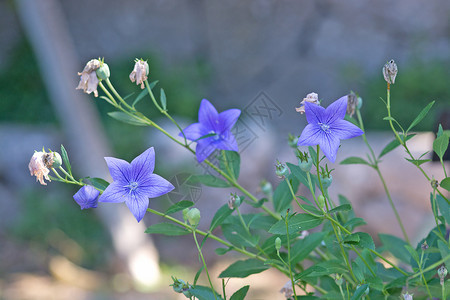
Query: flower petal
[143,164]
[204,149]
[336,110]
[228,142]
[314,113]
[227,119]
[345,130]
[115,193]
[329,144]
[86,197]
[118,168]
[154,186]
[310,135]
[138,205]
[208,115]
[194,131]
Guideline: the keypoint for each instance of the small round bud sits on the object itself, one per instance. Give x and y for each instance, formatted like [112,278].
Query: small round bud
[234,201]
[266,188]
[185,212]
[360,103]
[278,244]
[326,181]
[321,200]
[434,183]
[305,166]
[103,71]
[442,273]
[57,161]
[281,170]
[338,279]
[292,141]
[390,71]
[193,216]
[424,246]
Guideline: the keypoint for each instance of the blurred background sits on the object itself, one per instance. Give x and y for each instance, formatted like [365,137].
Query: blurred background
[262,56]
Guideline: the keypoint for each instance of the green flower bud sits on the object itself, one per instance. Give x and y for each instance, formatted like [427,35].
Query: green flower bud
[281,170]
[360,103]
[234,201]
[266,187]
[103,71]
[292,141]
[193,216]
[305,166]
[57,161]
[326,181]
[338,279]
[278,244]
[185,212]
[321,200]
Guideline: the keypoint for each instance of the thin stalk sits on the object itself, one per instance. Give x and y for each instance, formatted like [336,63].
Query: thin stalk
[248,231]
[389,262]
[204,263]
[60,178]
[108,83]
[289,256]
[423,276]
[342,292]
[443,289]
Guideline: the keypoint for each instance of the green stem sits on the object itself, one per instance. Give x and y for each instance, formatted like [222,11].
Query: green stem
[443,291]
[108,83]
[342,292]
[389,262]
[204,263]
[423,276]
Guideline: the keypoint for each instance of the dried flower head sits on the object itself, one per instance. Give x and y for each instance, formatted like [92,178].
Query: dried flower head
[287,290]
[40,164]
[89,81]
[390,71]
[139,73]
[352,102]
[311,98]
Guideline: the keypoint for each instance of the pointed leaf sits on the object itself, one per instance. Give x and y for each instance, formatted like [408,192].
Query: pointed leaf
[221,214]
[392,145]
[444,207]
[179,206]
[360,292]
[445,183]
[282,196]
[163,100]
[204,293]
[152,84]
[296,223]
[167,229]
[417,162]
[197,275]
[244,268]
[230,163]
[141,95]
[440,145]
[65,158]
[419,117]
[123,117]
[343,207]
[354,161]
[98,183]
[240,294]
[396,246]
[222,251]
[301,249]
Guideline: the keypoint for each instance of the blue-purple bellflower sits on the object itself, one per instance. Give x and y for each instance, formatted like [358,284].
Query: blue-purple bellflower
[86,197]
[135,183]
[213,130]
[326,127]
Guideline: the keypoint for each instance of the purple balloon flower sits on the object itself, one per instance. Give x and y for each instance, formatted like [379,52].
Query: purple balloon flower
[213,131]
[134,183]
[327,127]
[86,197]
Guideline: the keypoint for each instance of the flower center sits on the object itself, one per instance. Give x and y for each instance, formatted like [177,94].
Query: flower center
[325,127]
[132,186]
[215,135]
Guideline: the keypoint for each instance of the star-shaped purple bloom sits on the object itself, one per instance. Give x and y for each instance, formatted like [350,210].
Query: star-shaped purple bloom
[217,128]
[134,183]
[86,197]
[327,127]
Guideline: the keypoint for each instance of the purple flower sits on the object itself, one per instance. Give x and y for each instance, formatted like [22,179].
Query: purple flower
[134,183]
[213,130]
[327,127]
[86,197]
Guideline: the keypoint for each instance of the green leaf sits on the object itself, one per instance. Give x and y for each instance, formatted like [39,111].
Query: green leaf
[163,99]
[392,145]
[123,117]
[440,145]
[241,293]
[65,158]
[230,163]
[296,223]
[221,214]
[141,95]
[444,207]
[222,251]
[197,275]
[343,207]
[396,246]
[178,206]
[420,116]
[445,183]
[99,183]
[313,154]
[365,240]
[209,180]
[298,173]
[360,292]
[413,253]
[389,119]
[302,248]
[353,160]
[244,268]
[152,84]
[167,229]
[237,235]
[417,162]
[204,293]
[355,222]
[282,196]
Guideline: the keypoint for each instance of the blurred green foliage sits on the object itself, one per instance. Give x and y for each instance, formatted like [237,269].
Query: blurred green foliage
[416,85]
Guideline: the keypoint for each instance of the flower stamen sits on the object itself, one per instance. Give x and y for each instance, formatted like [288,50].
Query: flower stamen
[325,127]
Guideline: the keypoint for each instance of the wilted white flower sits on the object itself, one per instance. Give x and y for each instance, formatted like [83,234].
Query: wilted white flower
[312,98]
[287,290]
[139,73]
[89,81]
[38,167]
[390,71]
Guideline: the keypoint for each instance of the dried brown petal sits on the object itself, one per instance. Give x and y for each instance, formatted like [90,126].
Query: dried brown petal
[312,98]
[89,81]
[38,168]
[390,71]
[139,73]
